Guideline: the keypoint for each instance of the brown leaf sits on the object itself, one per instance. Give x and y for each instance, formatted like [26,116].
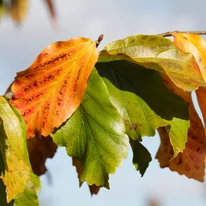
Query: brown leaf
[191,161]
[52,88]
[39,150]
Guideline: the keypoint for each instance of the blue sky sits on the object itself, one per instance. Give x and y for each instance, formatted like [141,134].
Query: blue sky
[19,45]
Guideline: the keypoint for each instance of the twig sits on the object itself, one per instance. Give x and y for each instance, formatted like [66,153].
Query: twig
[99,40]
[169,33]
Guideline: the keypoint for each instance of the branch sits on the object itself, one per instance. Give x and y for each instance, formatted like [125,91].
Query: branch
[169,33]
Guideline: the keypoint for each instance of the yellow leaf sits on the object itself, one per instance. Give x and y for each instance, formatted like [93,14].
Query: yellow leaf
[17,169]
[195,45]
[18,10]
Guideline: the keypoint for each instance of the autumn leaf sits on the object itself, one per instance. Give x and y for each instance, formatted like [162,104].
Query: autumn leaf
[195,45]
[144,102]
[17,168]
[39,150]
[18,179]
[29,196]
[18,10]
[191,161]
[51,89]
[160,54]
[95,135]
[201,98]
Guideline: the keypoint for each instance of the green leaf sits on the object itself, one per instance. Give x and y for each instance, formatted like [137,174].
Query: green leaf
[19,181]
[95,134]
[144,102]
[141,156]
[160,54]
[29,196]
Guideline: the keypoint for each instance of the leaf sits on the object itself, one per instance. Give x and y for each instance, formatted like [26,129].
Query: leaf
[29,196]
[201,98]
[16,171]
[51,89]
[95,135]
[2,9]
[191,161]
[79,168]
[195,45]
[160,54]
[18,10]
[39,150]
[141,156]
[32,187]
[144,102]
[3,195]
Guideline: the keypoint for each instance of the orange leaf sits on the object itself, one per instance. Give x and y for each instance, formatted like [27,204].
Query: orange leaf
[195,45]
[191,161]
[39,150]
[201,97]
[51,89]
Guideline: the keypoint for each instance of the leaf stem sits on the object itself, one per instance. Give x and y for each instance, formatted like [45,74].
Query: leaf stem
[169,33]
[99,40]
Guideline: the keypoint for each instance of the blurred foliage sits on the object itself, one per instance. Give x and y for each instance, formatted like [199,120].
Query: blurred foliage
[17,9]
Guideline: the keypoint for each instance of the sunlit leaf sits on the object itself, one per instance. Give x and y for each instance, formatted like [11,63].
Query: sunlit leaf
[51,89]
[144,102]
[3,195]
[191,161]
[39,150]
[160,54]
[29,196]
[95,135]
[195,45]
[17,168]
[18,10]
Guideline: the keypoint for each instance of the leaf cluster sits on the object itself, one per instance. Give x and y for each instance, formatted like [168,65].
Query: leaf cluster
[98,104]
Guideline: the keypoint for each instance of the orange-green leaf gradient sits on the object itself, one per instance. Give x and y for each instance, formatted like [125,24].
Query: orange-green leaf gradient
[51,89]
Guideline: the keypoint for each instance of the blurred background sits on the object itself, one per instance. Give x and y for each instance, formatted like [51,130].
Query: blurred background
[20,43]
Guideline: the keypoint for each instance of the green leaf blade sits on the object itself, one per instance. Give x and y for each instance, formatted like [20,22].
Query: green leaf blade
[144,102]
[141,156]
[95,134]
